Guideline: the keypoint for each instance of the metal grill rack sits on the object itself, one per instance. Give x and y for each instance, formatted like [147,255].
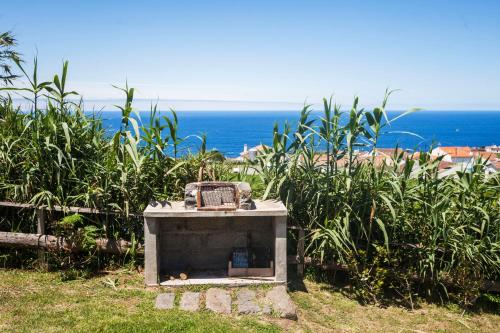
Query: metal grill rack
[217,196]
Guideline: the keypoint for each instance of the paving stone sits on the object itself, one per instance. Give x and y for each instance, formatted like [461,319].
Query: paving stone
[282,303]
[246,302]
[165,301]
[266,309]
[190,301]
[218,300]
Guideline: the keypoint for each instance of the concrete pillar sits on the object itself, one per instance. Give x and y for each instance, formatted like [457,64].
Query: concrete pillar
[280,248]
[151,252]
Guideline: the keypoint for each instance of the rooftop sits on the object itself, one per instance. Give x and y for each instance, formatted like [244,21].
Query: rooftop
[456,151]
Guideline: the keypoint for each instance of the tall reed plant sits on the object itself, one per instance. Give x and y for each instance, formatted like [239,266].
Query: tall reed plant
[394,221]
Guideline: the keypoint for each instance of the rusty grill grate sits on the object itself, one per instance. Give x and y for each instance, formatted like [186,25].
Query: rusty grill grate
[217,196]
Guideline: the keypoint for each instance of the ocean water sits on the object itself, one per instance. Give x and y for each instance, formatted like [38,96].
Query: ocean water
[228,131]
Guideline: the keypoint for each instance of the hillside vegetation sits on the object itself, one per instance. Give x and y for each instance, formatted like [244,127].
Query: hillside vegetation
[400,229]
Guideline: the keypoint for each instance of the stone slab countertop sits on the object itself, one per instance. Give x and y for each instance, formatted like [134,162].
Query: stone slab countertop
[176,209]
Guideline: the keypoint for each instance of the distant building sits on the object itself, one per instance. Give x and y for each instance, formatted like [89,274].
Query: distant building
[251,153]
[485,155]
[492,149]
[463,158]
[462,155]
[383,156]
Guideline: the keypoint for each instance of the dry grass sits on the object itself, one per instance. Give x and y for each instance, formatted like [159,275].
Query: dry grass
[322,310]
[38,301]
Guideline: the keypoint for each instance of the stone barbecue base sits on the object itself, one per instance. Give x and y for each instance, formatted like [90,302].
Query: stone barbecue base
[190,241]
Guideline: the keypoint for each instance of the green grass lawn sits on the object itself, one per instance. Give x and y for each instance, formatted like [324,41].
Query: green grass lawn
[36,301]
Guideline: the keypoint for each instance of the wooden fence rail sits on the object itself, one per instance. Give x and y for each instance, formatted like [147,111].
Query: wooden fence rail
[68,209]
[41,212]
[54,243]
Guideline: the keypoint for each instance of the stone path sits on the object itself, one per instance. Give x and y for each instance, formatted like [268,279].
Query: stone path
[165,301]
[282,303]
[190,301]
[247,302]
[218,300]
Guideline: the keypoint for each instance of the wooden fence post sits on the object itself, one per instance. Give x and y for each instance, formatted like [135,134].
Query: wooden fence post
[300,253]
[41,216]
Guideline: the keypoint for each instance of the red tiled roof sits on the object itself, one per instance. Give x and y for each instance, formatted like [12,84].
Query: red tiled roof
[416,156]
[320,159]
[391,151]
[485,155]
[457,151]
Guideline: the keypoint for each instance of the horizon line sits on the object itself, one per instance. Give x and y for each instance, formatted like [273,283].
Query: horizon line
[261,106]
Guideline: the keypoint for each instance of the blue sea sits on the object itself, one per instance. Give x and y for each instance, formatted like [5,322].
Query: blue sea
[228,131]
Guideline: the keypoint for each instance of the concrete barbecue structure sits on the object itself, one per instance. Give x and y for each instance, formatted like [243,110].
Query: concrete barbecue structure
[181,237]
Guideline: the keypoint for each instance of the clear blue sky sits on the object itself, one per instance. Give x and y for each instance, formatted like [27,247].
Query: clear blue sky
[441,54]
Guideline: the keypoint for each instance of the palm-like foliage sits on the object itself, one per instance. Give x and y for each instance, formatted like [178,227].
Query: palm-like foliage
[7,56]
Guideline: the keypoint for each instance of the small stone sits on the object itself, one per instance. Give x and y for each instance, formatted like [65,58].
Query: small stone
[245,206]
[246,302]
[190,301]
[218,300]
[183,276]
[244,187]
[165,301]
[245,200]
[190,202]
[282,303]
[190,189]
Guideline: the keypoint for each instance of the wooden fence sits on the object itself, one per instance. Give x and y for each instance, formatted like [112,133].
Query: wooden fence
[41,213]
[300,260]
